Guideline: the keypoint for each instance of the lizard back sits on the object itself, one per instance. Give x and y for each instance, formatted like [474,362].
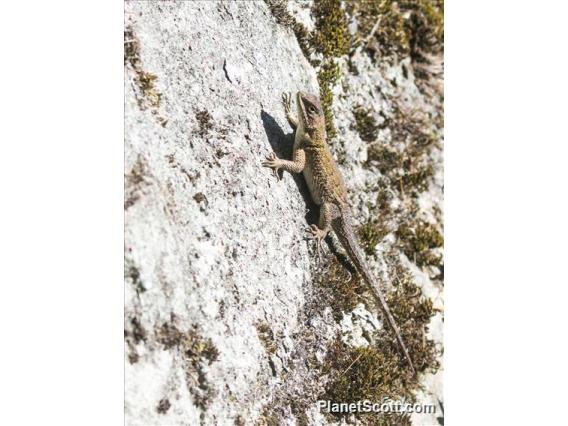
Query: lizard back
[323,177]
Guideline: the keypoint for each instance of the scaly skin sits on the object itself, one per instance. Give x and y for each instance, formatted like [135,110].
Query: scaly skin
[313,157]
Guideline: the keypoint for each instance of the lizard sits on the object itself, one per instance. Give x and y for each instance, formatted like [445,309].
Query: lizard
[312,157]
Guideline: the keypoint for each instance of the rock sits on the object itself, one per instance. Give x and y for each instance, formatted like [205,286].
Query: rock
[222,318]
[358,326]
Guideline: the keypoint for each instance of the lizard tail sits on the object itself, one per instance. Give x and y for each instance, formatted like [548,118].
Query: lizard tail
[344,232]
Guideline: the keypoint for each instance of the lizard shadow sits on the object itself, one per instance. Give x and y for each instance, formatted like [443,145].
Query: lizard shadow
[282,145]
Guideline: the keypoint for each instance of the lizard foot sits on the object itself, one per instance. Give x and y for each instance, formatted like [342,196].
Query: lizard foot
[318,235]
[273,163]
[287,102]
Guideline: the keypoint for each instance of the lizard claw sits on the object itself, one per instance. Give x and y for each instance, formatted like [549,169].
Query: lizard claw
[286,101]
[272,162]
[317,234]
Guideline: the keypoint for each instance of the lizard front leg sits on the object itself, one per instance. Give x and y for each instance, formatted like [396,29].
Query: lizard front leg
[294,166]
[287,103]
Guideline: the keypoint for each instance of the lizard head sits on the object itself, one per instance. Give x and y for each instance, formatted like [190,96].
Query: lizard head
[310,112]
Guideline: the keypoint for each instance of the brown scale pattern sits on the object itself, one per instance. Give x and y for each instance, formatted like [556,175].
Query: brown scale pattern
[327,180]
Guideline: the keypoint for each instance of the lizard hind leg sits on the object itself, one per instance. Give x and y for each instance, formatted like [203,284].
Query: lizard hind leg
[318,235]
[328,212]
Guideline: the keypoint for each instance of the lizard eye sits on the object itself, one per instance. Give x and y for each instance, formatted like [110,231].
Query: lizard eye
[312,109]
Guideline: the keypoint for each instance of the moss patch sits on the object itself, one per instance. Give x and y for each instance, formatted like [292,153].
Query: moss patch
[371,234]
[163,406]
[204,121]
[366,124]
[192,344]
[389,29]
[332,38]
[410,173]
[134,182]
[425,27]
[134,333]
[407,170]
[278,9]
[392,30]
[150,96]
[197,352]
[133,273]
[328,76]
[267,418]
[266,337]
[389,37]
[147,95]
[379,371]
[405,27]
[406,161]
[346,288]
[418,241]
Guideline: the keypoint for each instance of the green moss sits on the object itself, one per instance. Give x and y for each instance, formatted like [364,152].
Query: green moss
[133,273]
[191,343]
[391,30]
[331,37]
[408,166]
[389,37]
[425,26]
[134,182]
[196,352]
[418,240]
[410,175]
[299,409]
[366,124]
[146,83]
[150,97]
[267,418]
[387,159]
[371,234]
[134,333]
[328,76]
[302,35]
[406,27]
[417,178]
[379,371]
[266,337]
[279,11]
[346,287]
[131,47]
[384,197]
[366,374]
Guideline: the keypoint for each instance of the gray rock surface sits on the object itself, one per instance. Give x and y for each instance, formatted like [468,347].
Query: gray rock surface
[214,245]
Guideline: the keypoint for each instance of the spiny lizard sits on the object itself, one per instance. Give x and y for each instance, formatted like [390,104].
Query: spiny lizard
[312,156]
